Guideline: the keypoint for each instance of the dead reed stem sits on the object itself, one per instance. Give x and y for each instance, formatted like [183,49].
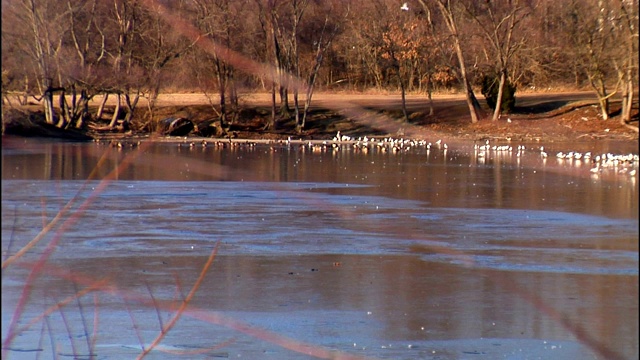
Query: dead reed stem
[165,330]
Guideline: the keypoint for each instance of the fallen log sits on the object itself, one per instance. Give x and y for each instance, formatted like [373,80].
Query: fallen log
[175,126]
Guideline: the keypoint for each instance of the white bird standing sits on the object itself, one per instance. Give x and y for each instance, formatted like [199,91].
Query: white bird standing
[405,7]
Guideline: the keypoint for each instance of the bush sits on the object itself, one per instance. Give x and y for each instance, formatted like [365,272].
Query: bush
[490,86]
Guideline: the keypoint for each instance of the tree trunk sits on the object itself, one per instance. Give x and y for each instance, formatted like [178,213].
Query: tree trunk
[47,100]
[271,125]
[116,112]
[296,106]
[101,107]
[64,110]
[305,111]
[84,113]
[627,79]
[627,98]
[603,98]
[450,21]
[74,111]
[222,92]
[404,99]
[604,107]
[430,93]
[498,109]
[131,106]
[471,100]
[312,82]
[233,97]
[284,102]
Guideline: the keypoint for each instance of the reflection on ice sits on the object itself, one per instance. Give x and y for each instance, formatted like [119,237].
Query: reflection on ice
[389,254]
[310,218]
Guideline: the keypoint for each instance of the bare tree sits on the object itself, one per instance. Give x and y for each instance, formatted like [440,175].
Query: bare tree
[431,49]
[449,13]
[322,43]
[160,47]
[369,30]
[284,27]
[86,56]
[499,23]
[273,55]
[43,41]
[135,61]
[626,63]
[64,49]
[394,48]
[218,19]
[127,88]
[591,27]
[18,68]
[298,10]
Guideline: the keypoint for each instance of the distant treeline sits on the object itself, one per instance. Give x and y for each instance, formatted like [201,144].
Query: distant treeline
[133,48]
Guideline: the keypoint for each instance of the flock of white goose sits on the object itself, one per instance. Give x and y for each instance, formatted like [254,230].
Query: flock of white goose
[609,162]
[623,164]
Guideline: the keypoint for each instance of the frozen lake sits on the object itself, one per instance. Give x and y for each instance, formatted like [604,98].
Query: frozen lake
[321,252]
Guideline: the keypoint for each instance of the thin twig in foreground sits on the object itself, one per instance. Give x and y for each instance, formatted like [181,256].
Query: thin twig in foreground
[69,332]
[93,287]
[155,305]
[164,331]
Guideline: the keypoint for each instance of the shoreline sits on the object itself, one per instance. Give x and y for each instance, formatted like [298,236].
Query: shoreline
[538,117]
